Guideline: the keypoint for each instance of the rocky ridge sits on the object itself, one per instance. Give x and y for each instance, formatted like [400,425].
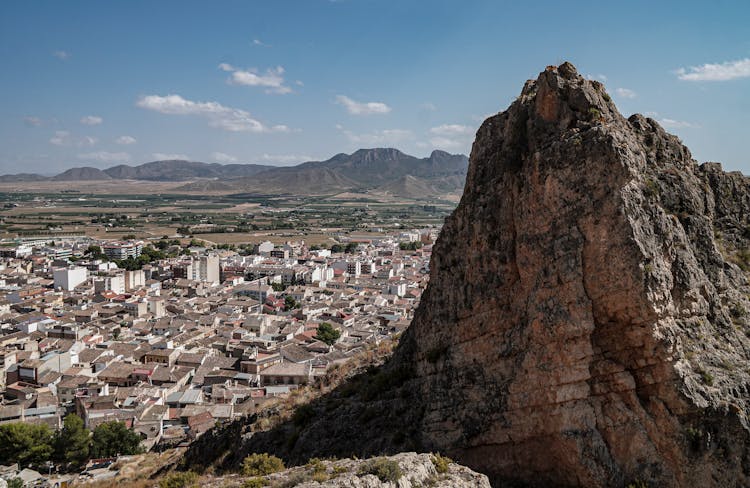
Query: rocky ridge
[416,470]
[586,320]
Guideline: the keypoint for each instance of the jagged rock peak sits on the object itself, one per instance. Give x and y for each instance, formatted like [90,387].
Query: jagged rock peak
[585,322]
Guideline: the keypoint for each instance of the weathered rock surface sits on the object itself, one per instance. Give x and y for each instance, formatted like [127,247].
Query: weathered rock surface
[582,326]
[417,470]
[586,319]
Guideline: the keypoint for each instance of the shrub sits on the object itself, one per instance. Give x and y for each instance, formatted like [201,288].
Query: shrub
[652,188]
[255,483]
[178,480]
[385,470]
[261,465]
[441,463]
[594,113]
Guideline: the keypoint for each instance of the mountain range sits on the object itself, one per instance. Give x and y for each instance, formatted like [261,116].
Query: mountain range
[384,170]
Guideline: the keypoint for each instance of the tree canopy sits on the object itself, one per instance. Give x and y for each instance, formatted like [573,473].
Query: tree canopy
[26,444]
[114,438]
[327,333]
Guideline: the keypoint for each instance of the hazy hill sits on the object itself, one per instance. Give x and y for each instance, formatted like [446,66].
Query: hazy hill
[365,169]
[381,169]
[177,170]
[21,177]
[85,173]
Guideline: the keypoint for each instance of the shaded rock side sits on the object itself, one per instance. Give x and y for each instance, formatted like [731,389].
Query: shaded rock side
[585,325]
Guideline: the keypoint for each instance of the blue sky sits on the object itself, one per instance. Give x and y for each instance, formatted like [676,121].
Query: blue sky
[279,82]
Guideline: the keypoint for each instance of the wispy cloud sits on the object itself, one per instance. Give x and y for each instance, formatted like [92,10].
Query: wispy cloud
[285,159]
[106,157]
[668,123]
[258,42]
[677,124]
[219,116]
[728,70]
[62,55]
[221,157]
[91,120]
[451,136]
[125,140]
[625,93]
[272,79]
[378,137]
[599,77]
[32,121]
[65,138]
[169,156]
[452,130]
[430,107]
[362,108]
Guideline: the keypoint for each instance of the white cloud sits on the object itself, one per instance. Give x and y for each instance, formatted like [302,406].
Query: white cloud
[625,93]
[677,124]
[599,77]
[91,120]
[221,157]
[169,156]
[106,157]
[32,121]
[729,70]
[285,159]
[86,141]
[362,108]
[61,138]
[378,137]
[452,130]
[61,55]
[448,143]
[258,42]
[272,79]
[64,138]
[125,140]
[451,136]
[219,116]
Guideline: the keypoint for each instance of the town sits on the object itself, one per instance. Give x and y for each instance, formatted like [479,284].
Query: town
[171,336]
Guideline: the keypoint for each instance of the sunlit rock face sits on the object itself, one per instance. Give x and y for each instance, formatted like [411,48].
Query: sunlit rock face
[585,321]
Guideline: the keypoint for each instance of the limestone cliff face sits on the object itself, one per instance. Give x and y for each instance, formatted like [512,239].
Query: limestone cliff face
[585,322]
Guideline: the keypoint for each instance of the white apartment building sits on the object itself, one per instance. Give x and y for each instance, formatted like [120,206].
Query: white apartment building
[123,250]
[70,277]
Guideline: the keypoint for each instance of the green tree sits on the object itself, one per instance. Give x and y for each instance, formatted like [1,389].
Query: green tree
[95,252]
[26,443]
[351,248]
[73,441]
[327,333]
[337,248]
[113,438]
[409,246]
[290,303]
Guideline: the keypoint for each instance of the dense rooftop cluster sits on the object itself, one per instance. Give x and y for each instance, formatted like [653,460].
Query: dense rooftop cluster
[192,336]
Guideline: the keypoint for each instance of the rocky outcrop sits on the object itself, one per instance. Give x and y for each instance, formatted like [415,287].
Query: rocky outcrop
[404,470]
[582,326]
[586,321]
